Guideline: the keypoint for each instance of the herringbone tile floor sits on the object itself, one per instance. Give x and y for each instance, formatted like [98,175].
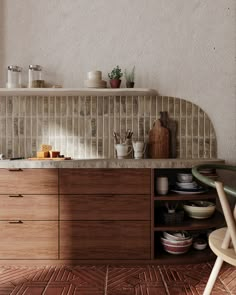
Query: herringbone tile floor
[114,280]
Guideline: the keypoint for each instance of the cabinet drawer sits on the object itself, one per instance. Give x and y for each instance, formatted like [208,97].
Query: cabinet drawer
[28,207]
[105,181]
[29,240]
[105,240]
[28,181]
[100,207]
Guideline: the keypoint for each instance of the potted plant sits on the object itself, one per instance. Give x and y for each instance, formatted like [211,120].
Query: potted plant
[115,76]
[129,76]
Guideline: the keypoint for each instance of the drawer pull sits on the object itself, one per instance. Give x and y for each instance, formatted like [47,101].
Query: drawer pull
[15,170]
[16,196]
[16,222]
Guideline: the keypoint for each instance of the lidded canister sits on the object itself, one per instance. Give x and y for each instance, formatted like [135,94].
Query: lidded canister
[14,76]
[35,77]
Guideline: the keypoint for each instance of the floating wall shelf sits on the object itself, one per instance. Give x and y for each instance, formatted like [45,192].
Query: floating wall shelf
[76,92]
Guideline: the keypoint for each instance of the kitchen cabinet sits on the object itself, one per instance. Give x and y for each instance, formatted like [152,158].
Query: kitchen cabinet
[105,207]
[92,214]
[28,239]
[29,214]
[105,181]
[188,224]
[28,181]
[105,213]
[105,239]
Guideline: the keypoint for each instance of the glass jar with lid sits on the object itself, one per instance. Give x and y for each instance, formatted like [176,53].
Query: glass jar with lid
[35,77]
[14,76]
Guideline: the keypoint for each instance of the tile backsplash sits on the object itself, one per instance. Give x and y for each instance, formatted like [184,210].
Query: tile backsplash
[82,126]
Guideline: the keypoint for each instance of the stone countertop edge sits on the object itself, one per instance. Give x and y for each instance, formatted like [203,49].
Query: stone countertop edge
[108,163]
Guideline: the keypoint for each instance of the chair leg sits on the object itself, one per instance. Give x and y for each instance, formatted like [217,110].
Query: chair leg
[213,276]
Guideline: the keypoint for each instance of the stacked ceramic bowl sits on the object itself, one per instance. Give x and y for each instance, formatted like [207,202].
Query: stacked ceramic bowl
[176,242]
[95,80]
[199,209]
[185,181]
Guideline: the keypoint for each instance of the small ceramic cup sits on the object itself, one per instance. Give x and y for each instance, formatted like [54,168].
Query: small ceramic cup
[162,185]
[139,149]
[123,150]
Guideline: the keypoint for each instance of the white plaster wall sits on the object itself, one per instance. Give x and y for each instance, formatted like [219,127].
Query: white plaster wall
[182,48]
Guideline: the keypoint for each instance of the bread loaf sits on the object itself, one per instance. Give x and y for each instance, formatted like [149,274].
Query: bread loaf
[46,147]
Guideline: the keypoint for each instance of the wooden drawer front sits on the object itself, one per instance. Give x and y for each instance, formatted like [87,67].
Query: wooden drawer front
[29,240]
[105,181]
[105,240]
[28,207]
[114,207]
[29,181]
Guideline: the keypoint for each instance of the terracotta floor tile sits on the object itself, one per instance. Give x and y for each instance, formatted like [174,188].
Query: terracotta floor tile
[134,280]
[115,280]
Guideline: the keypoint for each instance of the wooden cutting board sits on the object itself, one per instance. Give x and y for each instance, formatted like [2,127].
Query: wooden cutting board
[158,141]
[54,159]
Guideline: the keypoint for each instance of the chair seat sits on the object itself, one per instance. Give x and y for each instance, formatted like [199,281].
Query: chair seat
[215,242]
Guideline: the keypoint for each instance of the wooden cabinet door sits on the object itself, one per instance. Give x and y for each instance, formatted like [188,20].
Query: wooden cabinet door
[28,207]
[29,240]
[105,181]
[105,240]
[105,207]
[28,181]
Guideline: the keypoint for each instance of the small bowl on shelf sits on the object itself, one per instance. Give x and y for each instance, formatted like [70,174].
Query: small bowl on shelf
[184,177]
[200,244]
[186,242]
[176,247]
[200,209]
[177,236]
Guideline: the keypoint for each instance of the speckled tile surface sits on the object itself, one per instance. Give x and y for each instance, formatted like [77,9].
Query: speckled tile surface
[114,280]
[82,126]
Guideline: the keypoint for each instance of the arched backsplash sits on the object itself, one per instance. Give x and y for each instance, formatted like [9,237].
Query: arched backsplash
[82,126]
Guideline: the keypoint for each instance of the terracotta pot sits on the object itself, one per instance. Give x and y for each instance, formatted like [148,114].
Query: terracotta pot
[115,83]
[130,84]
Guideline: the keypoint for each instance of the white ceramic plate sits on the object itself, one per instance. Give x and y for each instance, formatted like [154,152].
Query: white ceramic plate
[188,192]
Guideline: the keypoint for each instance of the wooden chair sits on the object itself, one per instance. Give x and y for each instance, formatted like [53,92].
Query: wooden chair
[221,241]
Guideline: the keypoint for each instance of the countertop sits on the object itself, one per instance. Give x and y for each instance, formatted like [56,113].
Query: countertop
[108,163]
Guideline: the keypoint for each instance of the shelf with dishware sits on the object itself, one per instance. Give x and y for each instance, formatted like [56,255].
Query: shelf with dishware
[178,197]
[192,224]
[182,205]
[188,255]
[192,256]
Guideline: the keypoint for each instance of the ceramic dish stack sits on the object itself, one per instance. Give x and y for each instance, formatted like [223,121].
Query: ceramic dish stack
[95,80]
[186,185]
[176,242]
[209,172]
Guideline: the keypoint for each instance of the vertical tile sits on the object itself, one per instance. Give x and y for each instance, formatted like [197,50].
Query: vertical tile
[75,100]
[15,127]
[69,107]
[3,106]
[52,106]
[9,106]
[135,106]
[69,126]
[58,106]
[3,127]
[165,104]
[63,106]
[171,106]
[158,105]
[123,106]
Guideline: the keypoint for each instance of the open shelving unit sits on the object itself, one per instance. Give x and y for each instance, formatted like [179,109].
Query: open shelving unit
[188,224]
